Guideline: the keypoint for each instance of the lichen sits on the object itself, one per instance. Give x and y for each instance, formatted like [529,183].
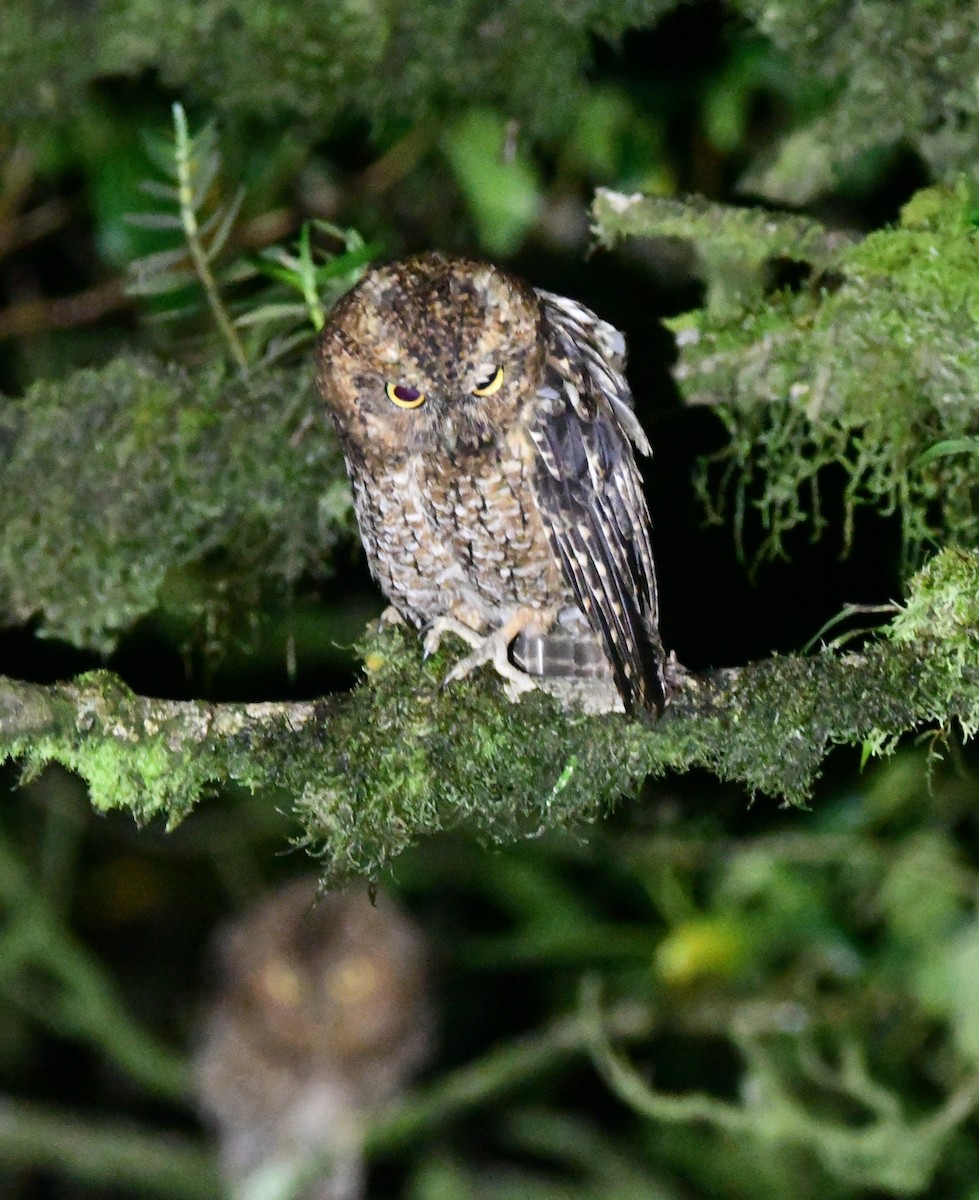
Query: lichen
[871,362]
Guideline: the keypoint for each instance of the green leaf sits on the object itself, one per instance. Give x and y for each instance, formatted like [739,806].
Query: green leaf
[963,445]
[271,312]
[503,192]
[160,191]
[963,988]
[224,219]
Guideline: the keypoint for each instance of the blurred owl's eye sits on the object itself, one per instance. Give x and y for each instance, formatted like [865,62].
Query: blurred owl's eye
[486,387]
[403,396]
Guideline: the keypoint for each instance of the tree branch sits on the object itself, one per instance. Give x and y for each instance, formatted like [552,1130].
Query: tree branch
[400,757]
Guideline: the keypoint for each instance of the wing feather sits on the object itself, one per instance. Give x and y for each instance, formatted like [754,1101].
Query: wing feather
[589,492]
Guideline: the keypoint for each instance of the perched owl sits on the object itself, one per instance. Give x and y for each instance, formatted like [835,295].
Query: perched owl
[488,431]
[321,1014]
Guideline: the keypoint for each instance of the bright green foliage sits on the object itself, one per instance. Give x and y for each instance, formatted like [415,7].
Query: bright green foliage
[868,364]
[120,483]
[503,194]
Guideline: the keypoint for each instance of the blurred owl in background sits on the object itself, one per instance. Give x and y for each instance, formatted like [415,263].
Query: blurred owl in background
[489,436]
[321,1015]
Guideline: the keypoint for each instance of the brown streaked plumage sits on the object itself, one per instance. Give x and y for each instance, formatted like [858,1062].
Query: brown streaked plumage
[488,432]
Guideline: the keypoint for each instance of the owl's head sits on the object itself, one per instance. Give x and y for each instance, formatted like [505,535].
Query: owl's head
[324,980]
[429,353]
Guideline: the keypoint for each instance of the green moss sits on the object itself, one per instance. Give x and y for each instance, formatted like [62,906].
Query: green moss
[402,757]
[734,246]
[868,365]
[103,734]
[898,74]
[405,754]
[317,60]
[941,615]
[163,487]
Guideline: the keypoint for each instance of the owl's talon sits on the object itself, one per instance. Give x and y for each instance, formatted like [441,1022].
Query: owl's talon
[447,624]
[493,648]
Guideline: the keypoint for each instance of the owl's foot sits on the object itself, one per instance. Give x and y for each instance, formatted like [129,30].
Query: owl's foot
[443,625]
[486,648]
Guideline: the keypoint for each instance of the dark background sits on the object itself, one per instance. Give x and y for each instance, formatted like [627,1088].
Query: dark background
[706,904]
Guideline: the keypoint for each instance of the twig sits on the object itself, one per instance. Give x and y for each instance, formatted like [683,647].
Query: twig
[499,1072]
[888,1150]
[37,315]
[33,225]
[105,1153]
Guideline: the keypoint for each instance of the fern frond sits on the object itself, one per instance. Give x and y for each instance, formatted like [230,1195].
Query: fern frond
[198,161]
[254,294]
[191,164]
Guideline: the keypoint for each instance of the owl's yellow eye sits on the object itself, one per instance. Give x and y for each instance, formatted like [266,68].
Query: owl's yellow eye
[487,387]
[404,396]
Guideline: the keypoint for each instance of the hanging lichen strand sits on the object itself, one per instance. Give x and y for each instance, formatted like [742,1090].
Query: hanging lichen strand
[872,364]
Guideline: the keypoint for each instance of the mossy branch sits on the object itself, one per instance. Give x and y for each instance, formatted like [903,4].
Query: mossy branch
[889,1149]
[165,488]
[401,757]
[864,365]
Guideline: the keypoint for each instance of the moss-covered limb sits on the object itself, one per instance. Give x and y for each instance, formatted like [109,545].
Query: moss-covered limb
[872,362]
[163,487]
[106,1154]
[401,756]
[153,757]
[734,246]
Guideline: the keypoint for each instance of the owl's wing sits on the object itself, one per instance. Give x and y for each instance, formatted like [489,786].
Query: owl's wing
[589,492]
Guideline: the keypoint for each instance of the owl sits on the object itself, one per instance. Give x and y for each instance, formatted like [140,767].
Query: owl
[322,1012]
[489,436]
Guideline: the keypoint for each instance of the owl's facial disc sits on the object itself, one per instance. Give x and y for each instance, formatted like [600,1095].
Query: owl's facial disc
[430,354]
